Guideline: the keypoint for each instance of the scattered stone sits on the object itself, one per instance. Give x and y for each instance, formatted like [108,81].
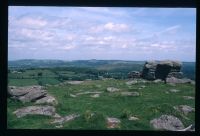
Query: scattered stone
[48,99]
[174,90]
[141,87]
[65,119]
[188,97]
[113,123]
[130,94]
[35,110]
[185,109]
[158,81]
[133,118]
[94,96]
[59,126]
[178,81]
[167,122]
[75,82]
[87,92]
[72,95]
[131,82]
[112,89]
[57,115]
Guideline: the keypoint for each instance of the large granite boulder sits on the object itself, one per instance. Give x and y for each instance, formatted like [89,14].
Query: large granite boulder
[27,93]
[149,70]
[35,94]
[161,69]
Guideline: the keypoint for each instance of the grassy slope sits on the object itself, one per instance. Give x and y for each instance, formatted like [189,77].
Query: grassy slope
[152,103]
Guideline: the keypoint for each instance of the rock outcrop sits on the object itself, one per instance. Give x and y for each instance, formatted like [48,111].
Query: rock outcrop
[185,109]
[134,74]
[35,110]
[167,122]
[113,122]
[35,94]
[162,69]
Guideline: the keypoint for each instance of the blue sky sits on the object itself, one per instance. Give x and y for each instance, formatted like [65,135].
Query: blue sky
[82,33]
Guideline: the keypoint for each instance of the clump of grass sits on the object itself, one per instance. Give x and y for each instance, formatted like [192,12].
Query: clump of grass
[126,113]
[88,115]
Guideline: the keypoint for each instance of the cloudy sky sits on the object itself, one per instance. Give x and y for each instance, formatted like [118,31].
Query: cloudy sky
[81,33]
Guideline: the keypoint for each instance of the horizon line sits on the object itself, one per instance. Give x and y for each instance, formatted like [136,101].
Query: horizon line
[103,59]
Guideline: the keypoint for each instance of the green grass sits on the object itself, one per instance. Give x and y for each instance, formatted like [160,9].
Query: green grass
[152,102]
[22,82]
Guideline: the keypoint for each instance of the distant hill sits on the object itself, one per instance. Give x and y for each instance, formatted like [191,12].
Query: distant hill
[188,68]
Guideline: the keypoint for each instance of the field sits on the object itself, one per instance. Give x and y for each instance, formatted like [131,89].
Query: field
[153,101]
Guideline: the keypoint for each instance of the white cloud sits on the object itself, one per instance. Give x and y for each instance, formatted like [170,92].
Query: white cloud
[36,34]
[110,26]
[67,47]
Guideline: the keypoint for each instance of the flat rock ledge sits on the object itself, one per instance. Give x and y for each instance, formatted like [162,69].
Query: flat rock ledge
[36,110]
[167,122]
[113,122]
[68,118]
[175,80]
[48,99]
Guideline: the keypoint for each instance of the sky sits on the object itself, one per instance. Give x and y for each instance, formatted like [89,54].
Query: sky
[103,33]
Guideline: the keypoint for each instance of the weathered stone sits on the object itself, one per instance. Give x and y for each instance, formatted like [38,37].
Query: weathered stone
[174,90]
[167,122]
[72,95]
[95,95]
[35,110]
[113,123]
[130,94]
[185,109]
[59,126]
[133,118]
[188,97]
[134,74]
[14,91]
[88,92]
[75,82]
[27,93]
[175,74]
[161,69]
[112,89]
[157,81]
[48,99]
[141,87]
[131,82]
[178,81]
[65,119]
[33,95]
